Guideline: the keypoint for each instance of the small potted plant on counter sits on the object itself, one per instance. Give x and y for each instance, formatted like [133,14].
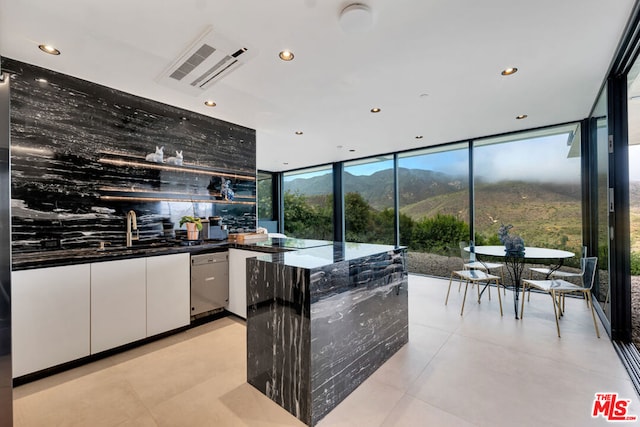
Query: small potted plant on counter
[194,225]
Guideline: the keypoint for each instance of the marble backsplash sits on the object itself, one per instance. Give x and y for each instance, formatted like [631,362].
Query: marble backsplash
[80,160]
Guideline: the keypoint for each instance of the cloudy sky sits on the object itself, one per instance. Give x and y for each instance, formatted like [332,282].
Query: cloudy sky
[541,159]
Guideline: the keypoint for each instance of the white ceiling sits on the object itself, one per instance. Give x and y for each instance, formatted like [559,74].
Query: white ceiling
[452,51]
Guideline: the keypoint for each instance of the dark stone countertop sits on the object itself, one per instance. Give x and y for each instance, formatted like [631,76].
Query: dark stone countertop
[330,253]
[307,253]
[70,256]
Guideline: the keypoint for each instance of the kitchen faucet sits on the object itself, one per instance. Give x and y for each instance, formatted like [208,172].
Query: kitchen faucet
[132,225]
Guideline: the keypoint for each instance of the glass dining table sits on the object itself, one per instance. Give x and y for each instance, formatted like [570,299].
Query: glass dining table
[515,262]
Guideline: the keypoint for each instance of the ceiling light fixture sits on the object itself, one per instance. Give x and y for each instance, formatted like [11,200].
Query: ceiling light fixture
[521,116]
[375,110]
[419,136]
[356,18]
[299,132]
[286,55]
[49,49]
[210,103]
[509,71]
[352,150]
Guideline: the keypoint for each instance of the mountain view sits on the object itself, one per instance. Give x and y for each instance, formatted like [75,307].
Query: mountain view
[377,188]
[540,212]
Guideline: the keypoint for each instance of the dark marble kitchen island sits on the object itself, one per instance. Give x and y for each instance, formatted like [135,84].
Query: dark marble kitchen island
[322,320]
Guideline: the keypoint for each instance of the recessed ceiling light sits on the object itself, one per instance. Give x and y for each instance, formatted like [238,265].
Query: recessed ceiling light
[509,71]
[286,55]
[419,136]
[49,49]
[299,132]
[209,103]
[285,163]
[352,150]
[521,116]
[375,110]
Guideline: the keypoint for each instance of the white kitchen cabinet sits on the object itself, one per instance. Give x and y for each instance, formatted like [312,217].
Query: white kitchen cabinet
[50,317]
[238,281]
[168,293]
[118,303]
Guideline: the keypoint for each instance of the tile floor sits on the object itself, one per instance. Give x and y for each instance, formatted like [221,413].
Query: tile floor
[477,370]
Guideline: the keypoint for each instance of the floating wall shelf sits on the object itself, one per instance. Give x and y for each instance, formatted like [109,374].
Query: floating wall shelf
[127,160]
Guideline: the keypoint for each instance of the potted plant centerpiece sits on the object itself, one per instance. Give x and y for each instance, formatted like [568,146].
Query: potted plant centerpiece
[194,225]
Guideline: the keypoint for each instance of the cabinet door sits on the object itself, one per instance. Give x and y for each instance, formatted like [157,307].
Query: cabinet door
[238,281]
[118,303]
[168,304]
[50,317]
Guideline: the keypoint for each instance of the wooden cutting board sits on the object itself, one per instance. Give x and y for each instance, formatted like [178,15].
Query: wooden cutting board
[248,237]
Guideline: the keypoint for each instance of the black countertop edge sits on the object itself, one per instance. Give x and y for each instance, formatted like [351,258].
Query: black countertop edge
[63,257]
[305,252]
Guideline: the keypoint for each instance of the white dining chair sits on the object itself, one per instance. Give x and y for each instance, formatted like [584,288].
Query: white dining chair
[470,262]
[475,277]
[558,288]
[548,272]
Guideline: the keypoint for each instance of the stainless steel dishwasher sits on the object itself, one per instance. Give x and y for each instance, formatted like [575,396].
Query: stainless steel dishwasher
[209,282]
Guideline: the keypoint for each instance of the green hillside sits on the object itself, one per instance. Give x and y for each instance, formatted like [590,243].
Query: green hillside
[377,188]
[545,214]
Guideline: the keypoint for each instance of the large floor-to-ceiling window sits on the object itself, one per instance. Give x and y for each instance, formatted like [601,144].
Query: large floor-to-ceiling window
[265,202]
[601,289]
[308,203]
[434,206]
[369,200]
[633,107]
[532,181]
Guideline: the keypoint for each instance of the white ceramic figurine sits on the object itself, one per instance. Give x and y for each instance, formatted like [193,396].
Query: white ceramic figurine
[157,156]
[177,160]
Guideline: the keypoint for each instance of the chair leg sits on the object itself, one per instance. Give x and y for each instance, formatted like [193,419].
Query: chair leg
[464,298]
[555,311]
[449,290]
[499,298]
[593,314]
[460,282]
[522,303]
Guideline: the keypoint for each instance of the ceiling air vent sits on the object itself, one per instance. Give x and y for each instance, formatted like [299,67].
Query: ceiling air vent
[210,58]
